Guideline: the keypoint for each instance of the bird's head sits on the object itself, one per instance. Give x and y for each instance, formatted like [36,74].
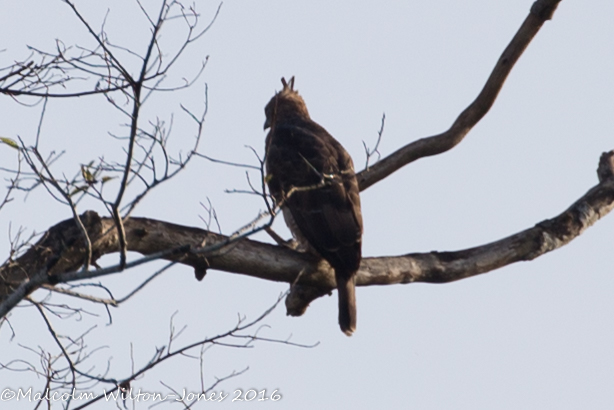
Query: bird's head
[285,104]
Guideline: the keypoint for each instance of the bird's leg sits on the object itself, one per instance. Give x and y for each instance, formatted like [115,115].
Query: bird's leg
[290,243]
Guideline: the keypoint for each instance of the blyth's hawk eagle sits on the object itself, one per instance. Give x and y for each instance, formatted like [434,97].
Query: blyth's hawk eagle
[312,176]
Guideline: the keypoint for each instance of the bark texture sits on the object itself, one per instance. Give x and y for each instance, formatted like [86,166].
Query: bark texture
[60,252]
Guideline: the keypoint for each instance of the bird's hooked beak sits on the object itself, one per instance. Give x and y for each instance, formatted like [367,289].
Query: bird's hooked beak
[267,124]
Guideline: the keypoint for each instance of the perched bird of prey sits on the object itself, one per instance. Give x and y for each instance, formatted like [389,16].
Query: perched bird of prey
[312,176]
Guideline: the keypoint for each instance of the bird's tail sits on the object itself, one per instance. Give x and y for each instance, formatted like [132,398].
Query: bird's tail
[347,302]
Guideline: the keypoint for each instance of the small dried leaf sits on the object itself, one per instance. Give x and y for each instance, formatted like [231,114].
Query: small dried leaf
[11,143]
[87,175]
[78,189]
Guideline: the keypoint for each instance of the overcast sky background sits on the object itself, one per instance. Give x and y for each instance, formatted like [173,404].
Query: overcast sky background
[531,336]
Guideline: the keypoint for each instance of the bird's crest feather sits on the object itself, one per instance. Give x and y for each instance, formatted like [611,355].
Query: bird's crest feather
[288,85]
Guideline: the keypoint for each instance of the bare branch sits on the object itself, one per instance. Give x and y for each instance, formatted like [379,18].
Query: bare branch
[281,264]
[165,353]
[370,152]
[541,11]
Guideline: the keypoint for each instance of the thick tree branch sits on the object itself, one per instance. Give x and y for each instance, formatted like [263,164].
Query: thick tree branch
[57,256]
[60,252]
[541,11]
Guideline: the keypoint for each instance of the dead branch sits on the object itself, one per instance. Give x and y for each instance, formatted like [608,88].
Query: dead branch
[541,11]
[235,337]
[59,253]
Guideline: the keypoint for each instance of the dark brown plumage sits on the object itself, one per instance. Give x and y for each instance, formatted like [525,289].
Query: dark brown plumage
[313,177]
